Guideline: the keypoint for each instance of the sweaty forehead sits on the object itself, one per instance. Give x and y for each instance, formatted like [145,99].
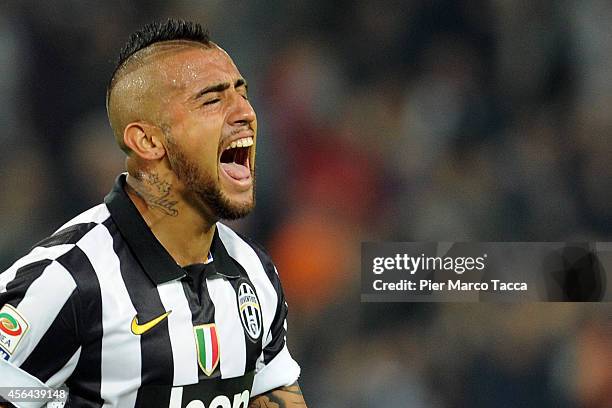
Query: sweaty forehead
[197,67]
[178,65]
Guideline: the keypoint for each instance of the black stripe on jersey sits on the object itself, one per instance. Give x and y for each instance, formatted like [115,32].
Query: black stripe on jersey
[86,391]
[69,235]
[278,333]
[77,401]
[155,347]
[202,308]
[278,323]
[153,396]
[60,340]
[24,277]
[196,291]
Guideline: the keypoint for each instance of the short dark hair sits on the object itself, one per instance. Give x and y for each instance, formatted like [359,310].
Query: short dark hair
[171,30]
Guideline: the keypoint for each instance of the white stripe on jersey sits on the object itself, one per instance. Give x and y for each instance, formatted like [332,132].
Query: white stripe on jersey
[36,254]
[246,256]
[66,371]
[232,347]
[176,397]
[180,328]
[97,214]
[121,360]
[40,306]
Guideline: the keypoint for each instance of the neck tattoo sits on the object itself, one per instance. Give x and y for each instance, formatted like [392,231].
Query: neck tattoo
[156,193]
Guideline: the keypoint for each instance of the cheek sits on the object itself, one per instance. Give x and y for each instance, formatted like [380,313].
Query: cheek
[202,135]
[203,151]
[203,148]
[199,137]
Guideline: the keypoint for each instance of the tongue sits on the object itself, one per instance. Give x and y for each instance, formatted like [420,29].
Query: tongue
[236,171]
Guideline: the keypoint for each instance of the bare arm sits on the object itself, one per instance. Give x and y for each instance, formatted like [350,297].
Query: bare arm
[283,397]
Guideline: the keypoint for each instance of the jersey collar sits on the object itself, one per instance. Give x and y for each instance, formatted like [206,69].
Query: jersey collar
[153,257]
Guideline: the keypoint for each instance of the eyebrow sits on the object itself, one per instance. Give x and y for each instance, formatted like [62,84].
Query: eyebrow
[221,87]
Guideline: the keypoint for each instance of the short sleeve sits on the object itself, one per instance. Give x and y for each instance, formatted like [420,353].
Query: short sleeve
[38,324]
[275,367]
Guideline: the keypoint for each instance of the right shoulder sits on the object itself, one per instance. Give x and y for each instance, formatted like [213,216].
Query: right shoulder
[96,215]
[60,246]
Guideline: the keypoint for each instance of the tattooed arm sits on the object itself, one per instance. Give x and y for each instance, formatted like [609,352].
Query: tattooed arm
[283,397]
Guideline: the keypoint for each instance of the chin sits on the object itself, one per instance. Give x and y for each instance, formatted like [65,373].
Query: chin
[236,211]
[228,207]
[241,200]
[241,206]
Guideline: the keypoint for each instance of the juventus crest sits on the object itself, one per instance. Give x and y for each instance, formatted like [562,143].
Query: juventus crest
[250,311]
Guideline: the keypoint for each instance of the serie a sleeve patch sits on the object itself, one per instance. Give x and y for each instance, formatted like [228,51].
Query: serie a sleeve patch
[13,327]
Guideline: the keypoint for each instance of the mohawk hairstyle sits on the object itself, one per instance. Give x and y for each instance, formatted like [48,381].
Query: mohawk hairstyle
[171,30]
[155,32]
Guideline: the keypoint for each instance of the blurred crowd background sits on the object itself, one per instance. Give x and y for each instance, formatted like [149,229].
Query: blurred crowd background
[378,120]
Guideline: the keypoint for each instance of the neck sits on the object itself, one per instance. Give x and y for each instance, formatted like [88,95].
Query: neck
[182,230]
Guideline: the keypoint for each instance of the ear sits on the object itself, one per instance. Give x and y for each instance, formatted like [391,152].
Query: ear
[145,140]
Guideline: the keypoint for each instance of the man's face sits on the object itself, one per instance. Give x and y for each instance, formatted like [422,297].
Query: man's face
[210,131]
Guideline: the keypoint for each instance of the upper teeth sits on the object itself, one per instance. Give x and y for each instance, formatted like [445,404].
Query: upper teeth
[244,142]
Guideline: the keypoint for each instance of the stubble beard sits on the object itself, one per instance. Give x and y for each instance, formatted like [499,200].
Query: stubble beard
[204,186]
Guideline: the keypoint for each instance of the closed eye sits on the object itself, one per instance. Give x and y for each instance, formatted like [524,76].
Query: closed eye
[211,102]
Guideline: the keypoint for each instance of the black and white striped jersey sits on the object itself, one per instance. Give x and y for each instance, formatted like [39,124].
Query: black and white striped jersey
[102,308]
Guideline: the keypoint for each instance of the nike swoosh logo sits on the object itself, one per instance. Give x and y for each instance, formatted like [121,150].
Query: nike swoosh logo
[139,329]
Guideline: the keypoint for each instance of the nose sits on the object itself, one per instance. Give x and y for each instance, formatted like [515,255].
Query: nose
[242,112]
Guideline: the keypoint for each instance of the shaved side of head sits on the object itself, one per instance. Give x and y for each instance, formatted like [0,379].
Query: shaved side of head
[140,85]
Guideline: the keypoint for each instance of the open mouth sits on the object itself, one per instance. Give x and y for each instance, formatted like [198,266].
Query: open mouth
[235,159]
